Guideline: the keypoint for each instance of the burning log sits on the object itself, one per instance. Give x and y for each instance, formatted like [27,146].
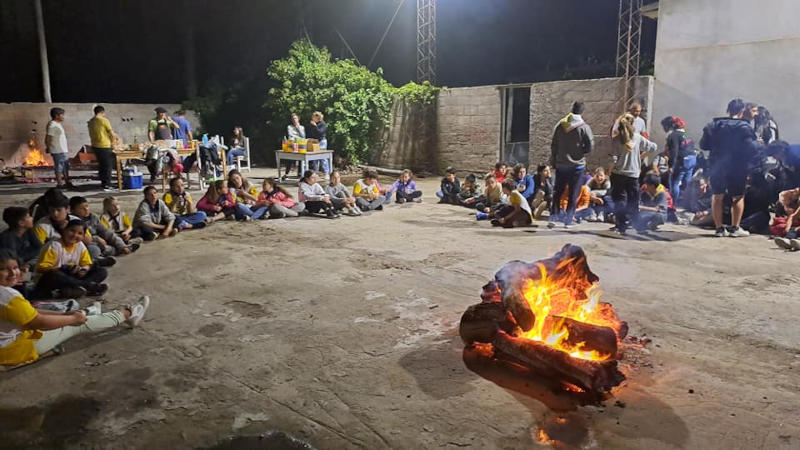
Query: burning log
[594,337]
[481,322]
[588,375]
[568,268]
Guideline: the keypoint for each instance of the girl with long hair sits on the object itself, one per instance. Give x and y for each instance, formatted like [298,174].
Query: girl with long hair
[278,200]
[217,202]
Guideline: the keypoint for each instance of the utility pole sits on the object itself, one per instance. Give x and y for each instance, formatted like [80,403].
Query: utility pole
[426,41]
[43,51]
[629,39]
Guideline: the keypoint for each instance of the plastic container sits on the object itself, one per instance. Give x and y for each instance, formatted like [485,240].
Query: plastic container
[132,179]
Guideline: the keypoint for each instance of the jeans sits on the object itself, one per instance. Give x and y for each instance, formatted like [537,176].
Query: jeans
[651,219]
[196,220]
[682,176]
[60,163]
[625,193]
[105,159]
[606,208]
[243,210]
[566,178]
[232,154]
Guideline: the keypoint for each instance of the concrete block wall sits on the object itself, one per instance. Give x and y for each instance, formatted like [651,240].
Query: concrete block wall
[551,101]
[468,129]
[21,121]
[409,142]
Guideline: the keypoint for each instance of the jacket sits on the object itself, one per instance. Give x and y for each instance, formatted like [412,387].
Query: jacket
[450,189]
[97,229]
[338,191]
[658,200]
[583,201]
[572,141]
[546,187]
[146,215]
[730,140]
[408,188]
[26,247]
[530,185]
[599,190]
[276,197]
[627,158]
[310,192]
[226,201]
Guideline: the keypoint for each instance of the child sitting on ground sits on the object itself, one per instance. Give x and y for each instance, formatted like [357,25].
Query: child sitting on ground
[47,228]
[107,241]
[314,197]
[449,188]
[19,237]
[405,189]
[153,220]
[66,267]
[582,204]
[470,193]
[524,182]
[492,198]
[115,220]
[653,203]
[340,196]
[786,227]
[181,204]
[217,202]
[246,196]
[517,213]
[600,189]
[543,191]
[500,172]
[280,203]
[29,334]
[367,194]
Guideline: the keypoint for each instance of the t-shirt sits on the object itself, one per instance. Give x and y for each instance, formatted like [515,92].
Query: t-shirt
[45,231]
[118,223]
[517,199]
[58,143]
[155,124]
[239,198]
[184,127]
[178,203]
[55,255]
[16,343]
[100,132]
[362,188]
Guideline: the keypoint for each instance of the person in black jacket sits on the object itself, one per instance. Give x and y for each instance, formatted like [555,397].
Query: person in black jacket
[318,129]
[450,188]
[732,143]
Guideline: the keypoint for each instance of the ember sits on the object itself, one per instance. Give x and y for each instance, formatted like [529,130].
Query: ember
[34,157]
[548,316]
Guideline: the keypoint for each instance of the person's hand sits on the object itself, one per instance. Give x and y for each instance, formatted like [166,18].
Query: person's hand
[78,317]
[521,188]
[126,235]
[217,208]
[600,201]
[701,214]
[125,251]
[487,210]
[81,272]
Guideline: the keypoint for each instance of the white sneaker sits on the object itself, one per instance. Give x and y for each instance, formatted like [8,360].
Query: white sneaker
[721,232]
[137,311]
[738,232]
[795,244]
[356,211]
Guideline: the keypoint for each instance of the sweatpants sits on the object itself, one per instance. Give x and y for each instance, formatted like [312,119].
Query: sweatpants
[277,210]
[370,205]
[625,193]
[60,279]
[94,324]
[408,197]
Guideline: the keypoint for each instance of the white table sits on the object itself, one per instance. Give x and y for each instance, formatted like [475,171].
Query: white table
[304,158]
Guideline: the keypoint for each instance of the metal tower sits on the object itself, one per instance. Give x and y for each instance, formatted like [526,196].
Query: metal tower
[426,41]
[629,39]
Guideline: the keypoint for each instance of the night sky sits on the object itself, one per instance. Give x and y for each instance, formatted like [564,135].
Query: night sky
[135,51]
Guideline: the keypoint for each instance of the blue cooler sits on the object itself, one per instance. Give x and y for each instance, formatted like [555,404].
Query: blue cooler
[132,179]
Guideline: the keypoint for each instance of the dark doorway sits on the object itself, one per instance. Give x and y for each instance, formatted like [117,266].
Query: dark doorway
[516,112]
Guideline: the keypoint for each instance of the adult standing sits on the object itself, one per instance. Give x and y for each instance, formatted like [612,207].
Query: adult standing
[732,143]
[572,141]
[101,135]
[161,127]
[294,131]
[318,129]
[639,125]
[184,129]
[56,145]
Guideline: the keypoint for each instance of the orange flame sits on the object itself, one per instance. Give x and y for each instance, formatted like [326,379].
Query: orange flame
[549,297]
[34,157]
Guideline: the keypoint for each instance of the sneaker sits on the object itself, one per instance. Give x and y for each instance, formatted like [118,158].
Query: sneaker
[569,225]
[70,292]
[784,243]
[721,232]
[134,247]
[357,211]
[738,232]
[795,244]
[108,261]
[601,218]
[551,225]
[379,208]
[137,311]
[136,240]
[592,217]
[401,200]
[97,289]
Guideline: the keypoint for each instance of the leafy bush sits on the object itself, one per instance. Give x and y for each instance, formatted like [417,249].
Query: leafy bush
[356,102]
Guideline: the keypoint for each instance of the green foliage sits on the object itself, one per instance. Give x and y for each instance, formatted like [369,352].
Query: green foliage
[356,102]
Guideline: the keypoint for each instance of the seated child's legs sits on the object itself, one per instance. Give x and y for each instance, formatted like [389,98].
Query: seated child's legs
[145,233]
[440,194]
[260,212]
[94,324]
[242,211]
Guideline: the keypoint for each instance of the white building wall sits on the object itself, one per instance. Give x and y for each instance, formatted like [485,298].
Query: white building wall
[710,51]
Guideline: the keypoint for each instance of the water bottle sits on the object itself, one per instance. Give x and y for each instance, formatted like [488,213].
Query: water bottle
[205,139]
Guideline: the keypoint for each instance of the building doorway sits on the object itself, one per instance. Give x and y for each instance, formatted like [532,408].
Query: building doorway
[516,122]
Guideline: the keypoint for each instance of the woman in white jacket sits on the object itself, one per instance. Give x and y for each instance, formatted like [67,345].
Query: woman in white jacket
[314,197]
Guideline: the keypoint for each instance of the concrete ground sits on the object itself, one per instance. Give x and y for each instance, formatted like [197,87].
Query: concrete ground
[344,334]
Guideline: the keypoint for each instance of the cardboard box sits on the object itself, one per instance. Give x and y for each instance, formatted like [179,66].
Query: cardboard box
[313,146]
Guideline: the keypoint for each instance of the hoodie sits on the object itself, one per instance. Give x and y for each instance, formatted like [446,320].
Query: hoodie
[572,141]
[730,141]
[627,158]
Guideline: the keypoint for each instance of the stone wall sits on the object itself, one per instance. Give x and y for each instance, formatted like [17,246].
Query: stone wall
[550,102]
[468,128]
[21,121]
[409,142]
